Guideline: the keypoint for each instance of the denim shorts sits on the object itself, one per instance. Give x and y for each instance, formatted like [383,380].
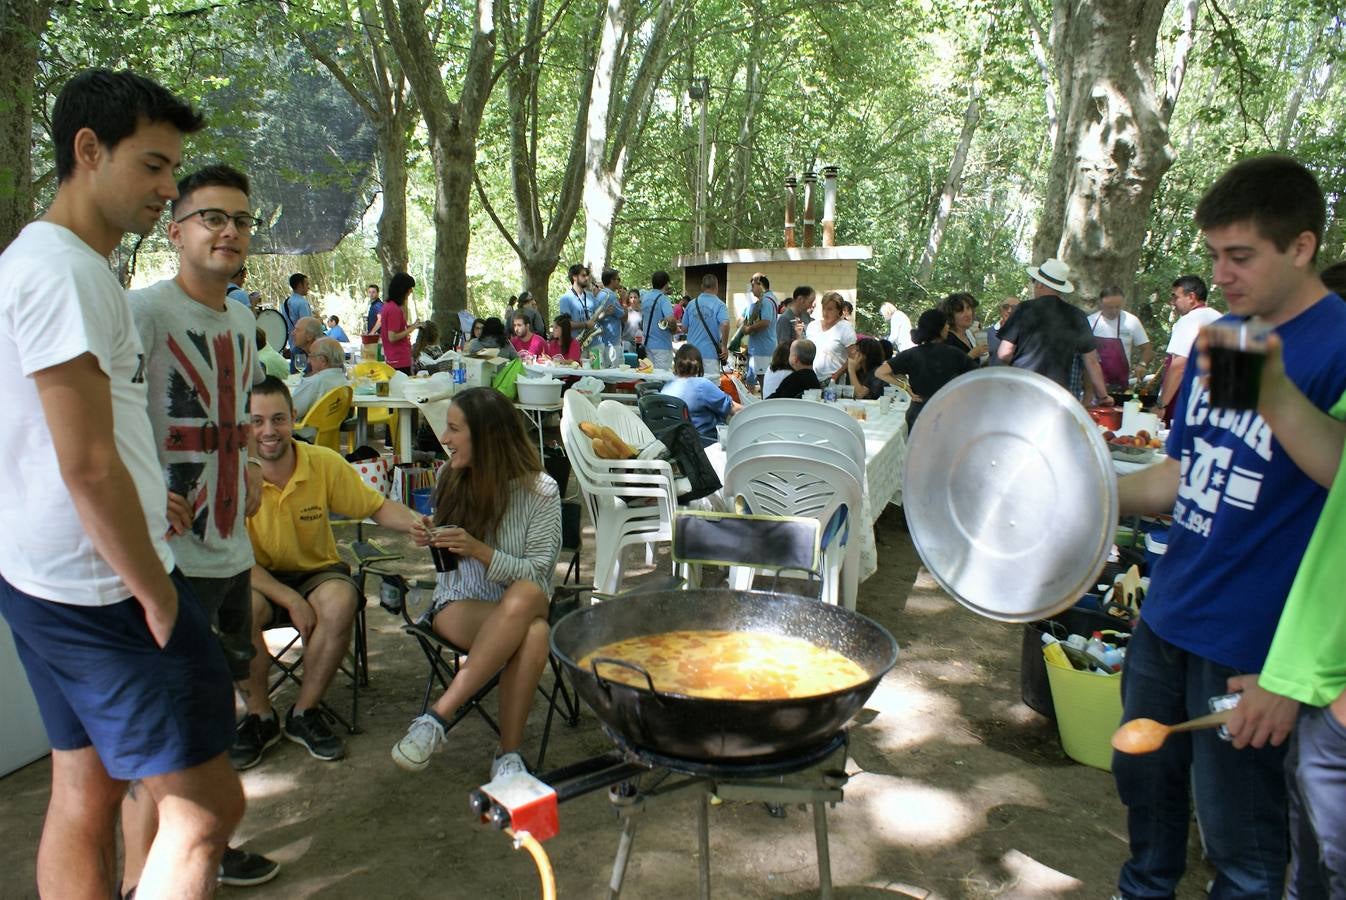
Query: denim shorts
[100,680]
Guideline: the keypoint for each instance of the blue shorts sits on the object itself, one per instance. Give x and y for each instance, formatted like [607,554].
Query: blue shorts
[100,680]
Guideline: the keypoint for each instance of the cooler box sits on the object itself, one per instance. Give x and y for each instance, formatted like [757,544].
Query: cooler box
[480,371]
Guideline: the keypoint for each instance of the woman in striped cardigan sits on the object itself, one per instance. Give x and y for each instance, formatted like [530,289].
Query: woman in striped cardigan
[500,514]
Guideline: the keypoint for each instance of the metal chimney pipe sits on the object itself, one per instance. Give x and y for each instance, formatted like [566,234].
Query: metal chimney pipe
[810,182]
[790,183]
[830,206]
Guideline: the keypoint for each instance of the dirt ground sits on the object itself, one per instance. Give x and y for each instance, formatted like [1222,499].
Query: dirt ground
[957,790]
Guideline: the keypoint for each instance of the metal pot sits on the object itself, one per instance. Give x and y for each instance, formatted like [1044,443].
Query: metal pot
[1108,417]
[709,730]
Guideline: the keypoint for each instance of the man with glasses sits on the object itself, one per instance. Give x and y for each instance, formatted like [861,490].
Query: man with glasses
[130,683]
[199,366]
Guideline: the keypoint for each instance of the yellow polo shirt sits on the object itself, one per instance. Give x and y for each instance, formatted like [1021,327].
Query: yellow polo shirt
[290,532]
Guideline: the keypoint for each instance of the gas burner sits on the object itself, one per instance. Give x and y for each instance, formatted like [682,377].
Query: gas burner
[637,778]
[763,768]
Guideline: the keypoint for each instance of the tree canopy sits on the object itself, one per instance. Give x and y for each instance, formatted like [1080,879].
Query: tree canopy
[508,138]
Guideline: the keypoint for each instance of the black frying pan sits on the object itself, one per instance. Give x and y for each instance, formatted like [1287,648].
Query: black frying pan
[710,730]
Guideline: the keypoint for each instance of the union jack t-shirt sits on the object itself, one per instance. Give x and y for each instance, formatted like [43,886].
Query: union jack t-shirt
[199,367]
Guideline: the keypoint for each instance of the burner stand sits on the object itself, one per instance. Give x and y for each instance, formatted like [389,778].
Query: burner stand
[815,779]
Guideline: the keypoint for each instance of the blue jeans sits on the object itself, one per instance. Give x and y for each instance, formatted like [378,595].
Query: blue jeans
[1316,772]
[1240,794]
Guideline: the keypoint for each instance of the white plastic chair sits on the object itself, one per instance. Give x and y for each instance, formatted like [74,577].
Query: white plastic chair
[804,411]
[630,501]
[578,407]
[624,420]
[744,432]
[788,451]
[805,487]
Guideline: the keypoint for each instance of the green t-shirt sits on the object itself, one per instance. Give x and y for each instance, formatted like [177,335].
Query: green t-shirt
[1307,660]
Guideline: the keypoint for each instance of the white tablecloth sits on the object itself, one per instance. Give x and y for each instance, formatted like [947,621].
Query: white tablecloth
[885,455]
[610,375]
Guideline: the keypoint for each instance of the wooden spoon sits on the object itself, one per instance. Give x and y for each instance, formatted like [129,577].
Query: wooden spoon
[1147,735]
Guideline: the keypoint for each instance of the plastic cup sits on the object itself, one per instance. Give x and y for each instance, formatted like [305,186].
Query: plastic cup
[1236,352]
[445,559]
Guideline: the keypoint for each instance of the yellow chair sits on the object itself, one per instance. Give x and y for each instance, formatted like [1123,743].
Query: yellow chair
[326,417]
[377,415]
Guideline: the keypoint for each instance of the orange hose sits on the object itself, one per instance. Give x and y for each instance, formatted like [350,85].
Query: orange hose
[544,870]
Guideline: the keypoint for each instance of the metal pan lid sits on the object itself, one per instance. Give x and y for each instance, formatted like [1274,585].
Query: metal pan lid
[1010,494]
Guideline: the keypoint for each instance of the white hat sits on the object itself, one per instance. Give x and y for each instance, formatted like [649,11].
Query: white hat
[1054,274]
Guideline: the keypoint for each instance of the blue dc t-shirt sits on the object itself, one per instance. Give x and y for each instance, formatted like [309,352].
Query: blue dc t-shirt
[1244,511]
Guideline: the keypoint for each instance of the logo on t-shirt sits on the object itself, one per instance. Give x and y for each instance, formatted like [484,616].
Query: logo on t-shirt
[1209,476]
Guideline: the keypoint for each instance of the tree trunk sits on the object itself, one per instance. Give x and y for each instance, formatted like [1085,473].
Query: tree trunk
[1113,145]
[537,271]
[21,26]
[537,243]
[454,163]
[452,126]
[971,119]
[740,173]
[606,154]
[391,247]
[1296,97]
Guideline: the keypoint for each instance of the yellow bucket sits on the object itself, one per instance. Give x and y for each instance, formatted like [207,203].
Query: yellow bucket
[1088,711]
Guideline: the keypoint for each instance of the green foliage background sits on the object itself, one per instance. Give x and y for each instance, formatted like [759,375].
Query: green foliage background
[877,87]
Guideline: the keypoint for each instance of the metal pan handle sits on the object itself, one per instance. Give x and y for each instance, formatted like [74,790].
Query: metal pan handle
[621,663]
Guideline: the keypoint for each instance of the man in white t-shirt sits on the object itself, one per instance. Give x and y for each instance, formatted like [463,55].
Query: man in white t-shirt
[1189,299]
[130,682]
[899,328]
[1124,348]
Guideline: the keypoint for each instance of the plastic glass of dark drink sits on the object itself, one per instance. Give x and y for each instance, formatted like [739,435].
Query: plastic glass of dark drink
[445,559]
[1236,352]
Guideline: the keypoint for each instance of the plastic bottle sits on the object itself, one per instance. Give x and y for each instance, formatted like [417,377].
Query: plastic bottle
[830,392]
[1098,649]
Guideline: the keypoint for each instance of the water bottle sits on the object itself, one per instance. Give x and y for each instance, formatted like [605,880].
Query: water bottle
[830,392]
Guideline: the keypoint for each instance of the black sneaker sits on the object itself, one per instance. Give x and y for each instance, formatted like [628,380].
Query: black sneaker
[253,736]
[243,869]
[310,730]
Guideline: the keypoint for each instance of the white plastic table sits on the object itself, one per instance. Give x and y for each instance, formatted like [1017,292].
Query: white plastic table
[365,402]
[536,414]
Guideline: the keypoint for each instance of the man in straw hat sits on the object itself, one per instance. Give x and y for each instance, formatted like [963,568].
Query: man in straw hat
[1046,334]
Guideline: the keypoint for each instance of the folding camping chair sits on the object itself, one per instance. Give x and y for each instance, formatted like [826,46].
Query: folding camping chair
[355,666]
[446,658]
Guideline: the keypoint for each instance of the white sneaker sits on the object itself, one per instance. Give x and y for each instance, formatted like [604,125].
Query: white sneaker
[413,751]
[507,764]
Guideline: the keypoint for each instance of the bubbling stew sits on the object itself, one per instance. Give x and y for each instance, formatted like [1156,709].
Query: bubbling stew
[729,665]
